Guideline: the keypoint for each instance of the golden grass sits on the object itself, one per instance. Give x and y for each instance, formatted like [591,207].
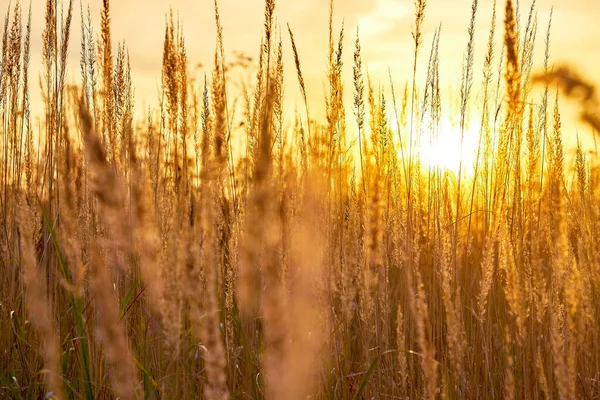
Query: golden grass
[158,258]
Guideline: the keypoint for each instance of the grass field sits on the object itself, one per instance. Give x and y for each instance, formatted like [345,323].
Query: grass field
[221,247]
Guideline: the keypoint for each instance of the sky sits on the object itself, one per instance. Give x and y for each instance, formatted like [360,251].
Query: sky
[384,26]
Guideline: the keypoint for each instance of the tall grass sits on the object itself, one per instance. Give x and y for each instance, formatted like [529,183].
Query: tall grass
[197,252]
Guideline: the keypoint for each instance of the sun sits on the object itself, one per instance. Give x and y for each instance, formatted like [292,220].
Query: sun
[441,148]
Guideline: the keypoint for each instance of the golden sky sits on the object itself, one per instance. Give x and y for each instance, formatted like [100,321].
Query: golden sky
[385,30]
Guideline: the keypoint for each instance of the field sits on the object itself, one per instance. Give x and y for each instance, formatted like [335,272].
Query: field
[226,245]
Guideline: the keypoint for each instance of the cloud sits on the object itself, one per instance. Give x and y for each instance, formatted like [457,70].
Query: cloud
[383,18]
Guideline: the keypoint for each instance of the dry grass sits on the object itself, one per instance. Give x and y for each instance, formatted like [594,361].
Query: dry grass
[152,257]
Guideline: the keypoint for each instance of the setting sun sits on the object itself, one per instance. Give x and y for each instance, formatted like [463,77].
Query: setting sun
[442,148]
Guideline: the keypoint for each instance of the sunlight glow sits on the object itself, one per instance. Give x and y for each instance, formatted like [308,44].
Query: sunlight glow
[441,147]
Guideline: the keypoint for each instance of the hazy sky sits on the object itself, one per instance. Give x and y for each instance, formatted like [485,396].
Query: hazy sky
[385,30]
